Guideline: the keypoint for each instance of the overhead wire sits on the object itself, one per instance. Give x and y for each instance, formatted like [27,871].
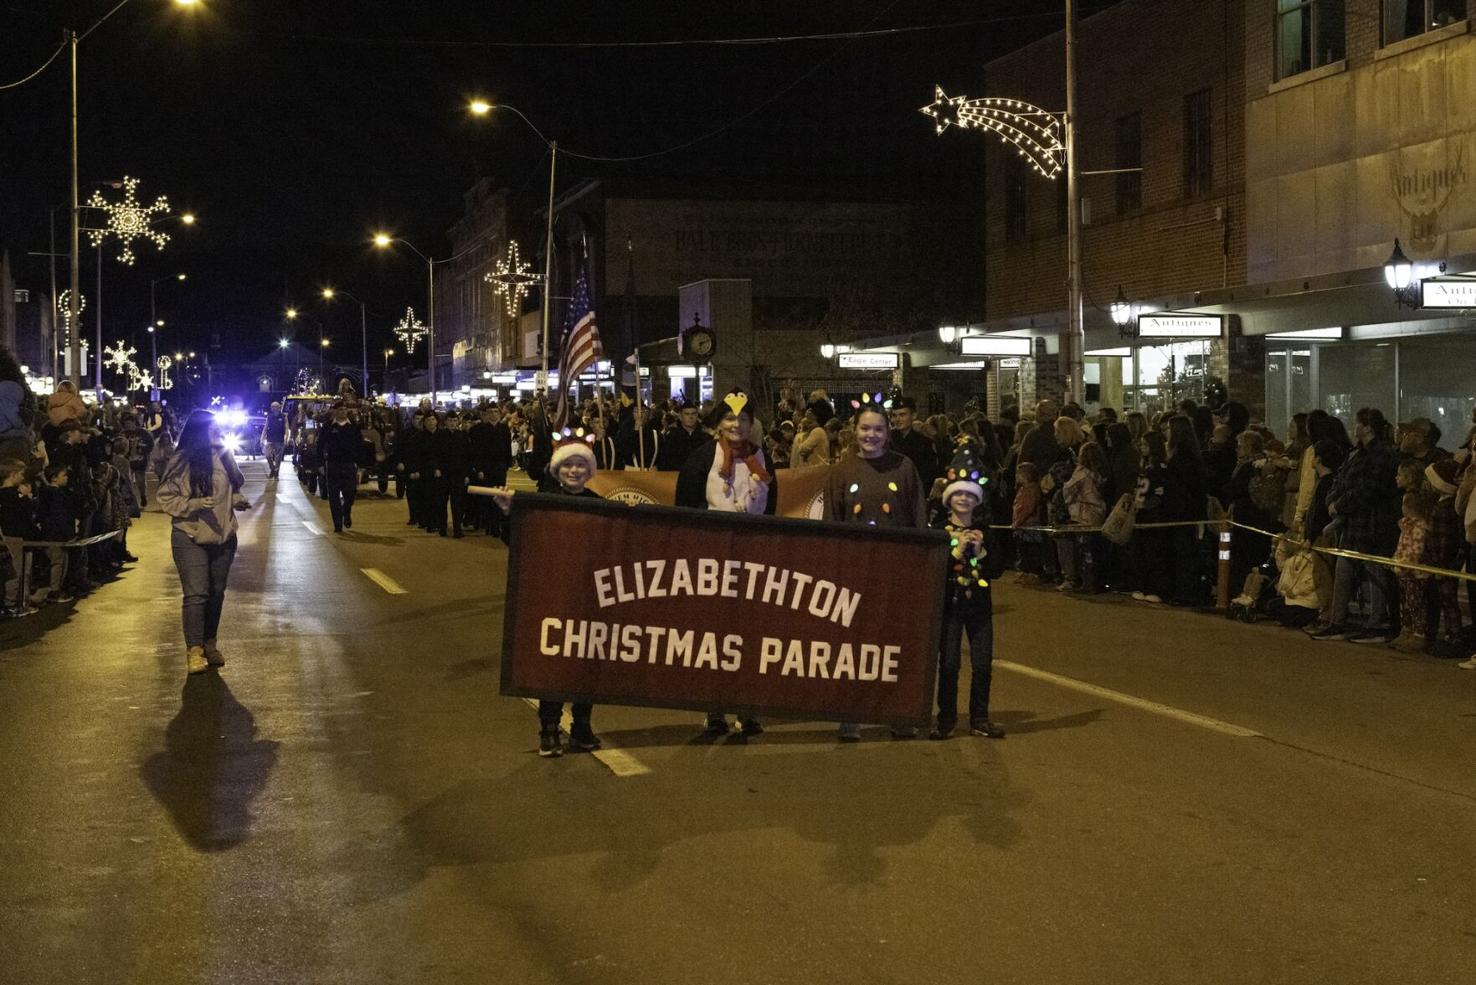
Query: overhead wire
[11,85]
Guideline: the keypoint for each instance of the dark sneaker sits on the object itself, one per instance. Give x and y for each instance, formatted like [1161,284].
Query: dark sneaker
[583,738]
[348,523]
[548,745]
[716,726]
[904,733]
[941,732]
[1316,626]
[1331,633]
[1372,636]
[751,726]
[986,728]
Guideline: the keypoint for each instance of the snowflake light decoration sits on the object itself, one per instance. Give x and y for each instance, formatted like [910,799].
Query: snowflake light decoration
[410,330]
[164,363]
[512,279]
[120,356]
[129,220]
[1034,133]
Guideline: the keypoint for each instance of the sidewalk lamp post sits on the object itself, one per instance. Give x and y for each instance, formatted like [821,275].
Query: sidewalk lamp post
[329,294]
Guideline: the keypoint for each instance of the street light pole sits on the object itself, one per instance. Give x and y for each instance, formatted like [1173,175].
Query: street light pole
[1075,363]
[548,255]
[329,294]
[74,348]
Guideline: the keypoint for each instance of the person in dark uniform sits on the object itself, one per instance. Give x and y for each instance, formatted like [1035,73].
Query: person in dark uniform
[683,439]
[911,442]
[734,475]
[411,454]
[490,448]
[338,444]
[637,444]
[571,465]
[446,461]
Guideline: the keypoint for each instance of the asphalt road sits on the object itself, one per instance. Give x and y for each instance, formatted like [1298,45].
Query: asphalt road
[1180,799]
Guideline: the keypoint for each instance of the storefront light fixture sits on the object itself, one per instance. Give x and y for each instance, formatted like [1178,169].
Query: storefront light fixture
[1404,276]
[947,334]
[827,351]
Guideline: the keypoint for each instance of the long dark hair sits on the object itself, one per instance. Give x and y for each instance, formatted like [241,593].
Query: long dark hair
[196,452]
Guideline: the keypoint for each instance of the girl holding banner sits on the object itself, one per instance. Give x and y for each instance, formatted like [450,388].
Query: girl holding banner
[572,465]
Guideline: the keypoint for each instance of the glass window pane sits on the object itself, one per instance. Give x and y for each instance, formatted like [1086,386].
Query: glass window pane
[1277,411]
[1403,19]
[1443,12]
[1293,40]
[1300,366]
[1332,31]
[1356,376]
[1437,379]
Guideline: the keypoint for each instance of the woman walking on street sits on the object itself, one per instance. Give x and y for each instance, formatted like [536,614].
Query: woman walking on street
[201,491]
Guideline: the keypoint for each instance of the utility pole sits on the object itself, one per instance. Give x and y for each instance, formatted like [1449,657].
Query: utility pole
[1075,349]
[74,327]
[548,257]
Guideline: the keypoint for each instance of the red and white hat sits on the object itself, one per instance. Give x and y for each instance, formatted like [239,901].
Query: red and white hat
[572,443]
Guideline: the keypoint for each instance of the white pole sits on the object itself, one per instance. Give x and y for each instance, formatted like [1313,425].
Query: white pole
[553,161]
[74,318]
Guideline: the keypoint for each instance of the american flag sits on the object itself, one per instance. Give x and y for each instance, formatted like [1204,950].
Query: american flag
[580,348]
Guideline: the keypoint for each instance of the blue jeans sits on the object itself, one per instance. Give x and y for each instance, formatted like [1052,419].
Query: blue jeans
[203,571]
[1346,576]
[950,658]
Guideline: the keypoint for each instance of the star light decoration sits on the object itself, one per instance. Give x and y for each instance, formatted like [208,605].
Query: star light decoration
[410,330]
[512,279]
[164,363]
[128,220]
[120,357]
[1034,133]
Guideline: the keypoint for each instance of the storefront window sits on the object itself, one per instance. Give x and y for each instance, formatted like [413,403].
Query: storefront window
[1166,374]
[1436,381]
[1288,385]
[1355,376]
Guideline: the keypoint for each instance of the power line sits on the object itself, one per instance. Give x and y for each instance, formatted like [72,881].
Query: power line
[11,85]
[674,43]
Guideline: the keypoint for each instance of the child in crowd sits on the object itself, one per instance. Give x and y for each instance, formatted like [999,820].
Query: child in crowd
[1086,507]
[967,603]
[17,512]
[58,515]
[1414,526]
[1442,550]
[1026,513]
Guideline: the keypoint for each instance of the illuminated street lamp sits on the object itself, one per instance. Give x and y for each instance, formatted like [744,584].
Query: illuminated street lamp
[154,320]
[328,295]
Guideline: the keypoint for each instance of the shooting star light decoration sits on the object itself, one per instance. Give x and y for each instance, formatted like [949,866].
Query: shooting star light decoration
[410,330]
[1034,133]
[512,279]
[128,220]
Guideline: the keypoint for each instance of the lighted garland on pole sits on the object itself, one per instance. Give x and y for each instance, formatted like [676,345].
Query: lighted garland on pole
[128,220]
[513,279]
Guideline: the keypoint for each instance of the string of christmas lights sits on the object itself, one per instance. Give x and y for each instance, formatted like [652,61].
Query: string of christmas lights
[120,357]
[1018,123]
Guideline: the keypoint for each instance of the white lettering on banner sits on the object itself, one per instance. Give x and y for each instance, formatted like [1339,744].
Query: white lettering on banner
[583,639]
[764,583]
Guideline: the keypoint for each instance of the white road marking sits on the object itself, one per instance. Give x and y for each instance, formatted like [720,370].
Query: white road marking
[313,528]
[1142,704]
[618,761]
[384,581]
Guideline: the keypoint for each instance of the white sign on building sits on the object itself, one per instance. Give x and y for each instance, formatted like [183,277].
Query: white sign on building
[1174,326]
[1448,293]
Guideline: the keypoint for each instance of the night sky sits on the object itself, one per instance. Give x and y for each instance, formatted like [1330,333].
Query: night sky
[297,129]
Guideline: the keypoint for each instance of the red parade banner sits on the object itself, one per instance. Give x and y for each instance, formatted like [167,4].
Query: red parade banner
[711,611]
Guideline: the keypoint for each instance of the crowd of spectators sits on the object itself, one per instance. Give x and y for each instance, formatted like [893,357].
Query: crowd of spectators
[72,479]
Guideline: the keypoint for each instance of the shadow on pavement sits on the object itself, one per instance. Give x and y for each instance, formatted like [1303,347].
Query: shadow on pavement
[22,632]
[1024,722]
[212,767]
[358,538]
[470,668]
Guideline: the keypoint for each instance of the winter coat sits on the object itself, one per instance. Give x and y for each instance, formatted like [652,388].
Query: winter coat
[214,524]
[12,410]
[1084,501]
[65,405]
[1366,499]
[1027,505]
[1306,576]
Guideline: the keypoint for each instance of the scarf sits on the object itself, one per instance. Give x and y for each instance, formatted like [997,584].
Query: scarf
[748,453]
